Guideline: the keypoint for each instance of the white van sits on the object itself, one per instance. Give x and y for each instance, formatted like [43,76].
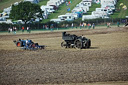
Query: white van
[53,3]
[88,17]
[48,8]
[57,1]
[86,3]
[108,10]
[56,20]
[80,9]
[108,2]
[99,14]
[66,17]
[75,15]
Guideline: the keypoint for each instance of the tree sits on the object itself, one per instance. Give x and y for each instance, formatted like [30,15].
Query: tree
[25,11]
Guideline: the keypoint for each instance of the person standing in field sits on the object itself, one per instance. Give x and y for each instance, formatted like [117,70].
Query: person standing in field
[89,26]
[28,29]
[80,25]
[109,25]
[85,25]
[93,26]
[118,24]
[14,30]
[72,25]
[9,30]
[22,29]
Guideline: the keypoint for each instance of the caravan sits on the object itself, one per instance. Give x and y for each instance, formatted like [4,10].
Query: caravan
[86,3]
[57,1]
[88,17]
[79,9]
[82,6]
[53,3]
[75,15]
[66,17]
[107,10]
[56,20]
[108,2]
[48,8]
[100,14]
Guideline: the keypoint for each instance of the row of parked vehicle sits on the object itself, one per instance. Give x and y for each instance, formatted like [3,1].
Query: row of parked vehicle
[107,8]
[76,13]
[50,7]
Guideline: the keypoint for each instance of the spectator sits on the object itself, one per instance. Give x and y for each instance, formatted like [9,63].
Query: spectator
[108,25]
[89,25]
[80,25]
[22,29]
[93,26]
[28,29]
[9,30]
[66,25]
[51,27]
[118,24]
[72,25]
[14,30]
[46,27]
[85,25]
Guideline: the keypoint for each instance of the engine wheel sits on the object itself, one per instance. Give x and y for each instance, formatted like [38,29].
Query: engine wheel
[19,44]
[63,44]
[89,43]
[78,44]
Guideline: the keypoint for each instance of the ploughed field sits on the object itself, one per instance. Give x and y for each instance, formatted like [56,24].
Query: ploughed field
[106,60]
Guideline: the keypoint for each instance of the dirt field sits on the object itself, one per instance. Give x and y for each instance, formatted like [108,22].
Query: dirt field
[105,61]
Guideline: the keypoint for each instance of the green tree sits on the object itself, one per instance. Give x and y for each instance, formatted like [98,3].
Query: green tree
[25,11]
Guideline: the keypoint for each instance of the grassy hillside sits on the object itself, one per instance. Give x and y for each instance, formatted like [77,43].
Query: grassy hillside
[7,3]
[43,2]
[120,13]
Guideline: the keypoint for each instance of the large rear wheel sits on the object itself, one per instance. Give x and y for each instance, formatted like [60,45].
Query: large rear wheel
[89,43]
[78,44]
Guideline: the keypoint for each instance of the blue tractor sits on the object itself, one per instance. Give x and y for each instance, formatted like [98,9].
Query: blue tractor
[28,44]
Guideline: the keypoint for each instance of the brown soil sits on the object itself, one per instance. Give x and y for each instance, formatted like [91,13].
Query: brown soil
[106,60]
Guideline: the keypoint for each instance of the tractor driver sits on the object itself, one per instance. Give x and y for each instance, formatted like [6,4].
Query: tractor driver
[28,42]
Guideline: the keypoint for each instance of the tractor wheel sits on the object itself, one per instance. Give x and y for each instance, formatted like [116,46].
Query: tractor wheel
[88,43]
[63,44]
[19,44]
[78,44]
